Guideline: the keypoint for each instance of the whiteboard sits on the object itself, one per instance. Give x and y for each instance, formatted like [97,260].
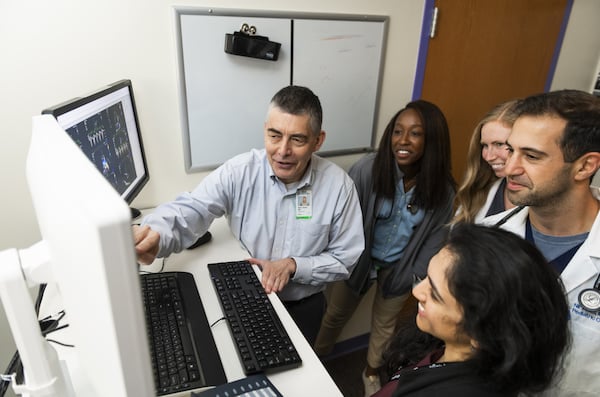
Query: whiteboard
[225,97]
[339,61]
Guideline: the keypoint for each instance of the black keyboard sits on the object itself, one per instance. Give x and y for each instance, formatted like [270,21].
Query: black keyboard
[183,351]
[261,340]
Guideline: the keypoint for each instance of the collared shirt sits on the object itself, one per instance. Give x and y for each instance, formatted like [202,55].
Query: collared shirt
[394,226]
[261,212]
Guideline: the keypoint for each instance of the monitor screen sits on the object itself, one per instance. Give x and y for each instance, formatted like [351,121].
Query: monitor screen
[105,126]
[86,228]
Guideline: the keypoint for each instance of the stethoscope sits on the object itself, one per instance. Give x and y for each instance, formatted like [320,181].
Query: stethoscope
[508,216]
[589,298]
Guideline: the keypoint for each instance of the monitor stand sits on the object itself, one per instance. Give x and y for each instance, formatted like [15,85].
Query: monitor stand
[135,213]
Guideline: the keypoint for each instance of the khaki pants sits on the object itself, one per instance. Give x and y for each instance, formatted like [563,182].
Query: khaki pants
[341,305]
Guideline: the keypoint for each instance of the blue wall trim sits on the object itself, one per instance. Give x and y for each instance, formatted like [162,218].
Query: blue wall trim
[423,47]
[559,42]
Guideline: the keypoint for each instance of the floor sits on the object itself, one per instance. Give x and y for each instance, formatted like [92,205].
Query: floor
[346,372]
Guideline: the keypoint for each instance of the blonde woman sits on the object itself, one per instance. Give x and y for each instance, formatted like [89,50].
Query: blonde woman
[482,192]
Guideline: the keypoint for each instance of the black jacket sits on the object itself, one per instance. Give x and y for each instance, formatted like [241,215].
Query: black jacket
[444,380]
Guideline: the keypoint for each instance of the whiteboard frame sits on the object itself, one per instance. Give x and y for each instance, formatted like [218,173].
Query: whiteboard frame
[291,15]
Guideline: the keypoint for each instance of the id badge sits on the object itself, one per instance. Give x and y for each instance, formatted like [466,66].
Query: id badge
[304,204]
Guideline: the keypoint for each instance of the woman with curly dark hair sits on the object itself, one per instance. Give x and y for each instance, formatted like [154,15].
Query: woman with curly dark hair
[488,324]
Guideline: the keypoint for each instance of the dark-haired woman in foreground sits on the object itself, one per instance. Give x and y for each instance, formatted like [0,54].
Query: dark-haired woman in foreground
[492,321]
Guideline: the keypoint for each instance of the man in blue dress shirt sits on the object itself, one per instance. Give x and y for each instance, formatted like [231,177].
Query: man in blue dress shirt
[297,214]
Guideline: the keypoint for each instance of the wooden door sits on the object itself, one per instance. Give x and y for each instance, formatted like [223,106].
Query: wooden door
[485,52]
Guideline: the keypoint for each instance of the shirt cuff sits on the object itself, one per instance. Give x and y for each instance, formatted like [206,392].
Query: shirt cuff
[303,270]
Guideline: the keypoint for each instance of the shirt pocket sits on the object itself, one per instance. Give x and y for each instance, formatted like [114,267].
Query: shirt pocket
[309,238]
[582,365]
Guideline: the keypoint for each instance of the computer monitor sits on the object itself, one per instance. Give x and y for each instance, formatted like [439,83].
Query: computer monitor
[104,124]
[86,227]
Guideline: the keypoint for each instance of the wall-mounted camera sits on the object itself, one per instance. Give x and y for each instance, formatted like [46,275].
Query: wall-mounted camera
[247,43]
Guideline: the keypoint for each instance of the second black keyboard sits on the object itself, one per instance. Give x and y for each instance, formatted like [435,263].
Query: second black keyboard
[183,351]
[261,340]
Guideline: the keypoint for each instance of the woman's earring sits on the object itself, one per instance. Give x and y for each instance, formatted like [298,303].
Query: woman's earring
[474,345]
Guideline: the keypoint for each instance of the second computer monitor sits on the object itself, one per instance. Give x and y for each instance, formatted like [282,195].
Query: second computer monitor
[105,126]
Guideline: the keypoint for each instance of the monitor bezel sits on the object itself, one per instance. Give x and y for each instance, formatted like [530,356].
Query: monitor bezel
[75,103]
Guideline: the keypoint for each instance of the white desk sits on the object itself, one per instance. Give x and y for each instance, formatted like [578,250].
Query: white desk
[310,379]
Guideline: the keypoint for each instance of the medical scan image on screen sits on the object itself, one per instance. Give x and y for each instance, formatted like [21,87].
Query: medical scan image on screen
[104,139]
[104,124]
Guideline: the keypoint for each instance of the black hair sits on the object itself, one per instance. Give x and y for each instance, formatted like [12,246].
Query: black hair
[513,305]
[582,134]
[434,178]
[581,111]
[298,100]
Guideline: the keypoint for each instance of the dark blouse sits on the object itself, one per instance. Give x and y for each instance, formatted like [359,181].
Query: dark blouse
[430,379]
[497,204]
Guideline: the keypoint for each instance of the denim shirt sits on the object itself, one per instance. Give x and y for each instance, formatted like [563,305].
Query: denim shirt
[394,226]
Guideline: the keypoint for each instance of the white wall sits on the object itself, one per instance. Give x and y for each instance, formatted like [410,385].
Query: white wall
[54,50]
[51,51]
[580,54]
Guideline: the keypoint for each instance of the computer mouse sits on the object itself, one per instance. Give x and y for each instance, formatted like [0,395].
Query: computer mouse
[205,238]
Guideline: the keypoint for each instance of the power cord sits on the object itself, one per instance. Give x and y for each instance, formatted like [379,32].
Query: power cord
[48,325]
[14,367]
[59,343]
[162,268]
[217,321]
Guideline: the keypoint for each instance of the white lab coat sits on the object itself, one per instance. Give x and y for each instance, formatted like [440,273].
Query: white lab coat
[582,375]
[488,201]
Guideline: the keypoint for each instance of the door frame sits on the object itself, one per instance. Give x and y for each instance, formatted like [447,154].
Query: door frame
[428,9]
